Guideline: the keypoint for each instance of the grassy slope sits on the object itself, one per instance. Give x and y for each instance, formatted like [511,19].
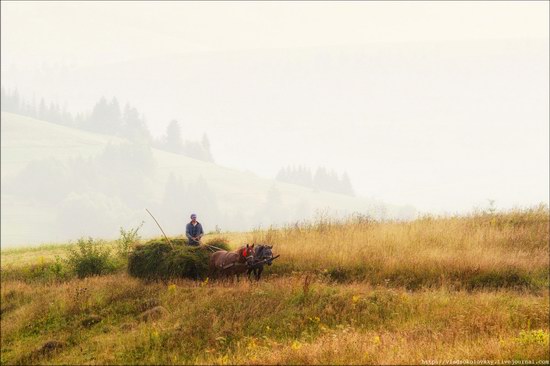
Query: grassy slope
[25,139]
[462,288]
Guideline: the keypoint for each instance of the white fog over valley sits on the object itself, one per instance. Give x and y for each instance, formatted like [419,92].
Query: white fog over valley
[253,114]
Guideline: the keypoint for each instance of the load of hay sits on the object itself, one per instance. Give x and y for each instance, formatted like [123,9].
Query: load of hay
[157,259]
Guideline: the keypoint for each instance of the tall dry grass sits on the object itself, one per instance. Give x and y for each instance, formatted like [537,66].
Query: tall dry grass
[481,250]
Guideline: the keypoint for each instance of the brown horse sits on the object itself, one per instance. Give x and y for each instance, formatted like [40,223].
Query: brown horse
[236,262]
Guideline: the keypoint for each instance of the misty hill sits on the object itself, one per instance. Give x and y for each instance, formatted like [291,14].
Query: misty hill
[401,118]
[60,183]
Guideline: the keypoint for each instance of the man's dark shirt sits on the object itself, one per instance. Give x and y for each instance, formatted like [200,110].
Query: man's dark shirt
[192,232]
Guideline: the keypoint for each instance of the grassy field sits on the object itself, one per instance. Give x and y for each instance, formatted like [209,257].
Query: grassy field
[432,290]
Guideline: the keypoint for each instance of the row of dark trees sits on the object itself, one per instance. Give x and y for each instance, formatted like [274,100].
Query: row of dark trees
[13,102]
[108,117]
[322,179]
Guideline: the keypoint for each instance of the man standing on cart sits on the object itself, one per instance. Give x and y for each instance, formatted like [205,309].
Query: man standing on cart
[194,231]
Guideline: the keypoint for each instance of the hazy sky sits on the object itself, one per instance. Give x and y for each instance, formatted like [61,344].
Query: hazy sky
[88,33]
[442,105]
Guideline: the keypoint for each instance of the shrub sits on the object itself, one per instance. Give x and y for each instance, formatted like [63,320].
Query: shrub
[128,238]
[158,260]
[90,258]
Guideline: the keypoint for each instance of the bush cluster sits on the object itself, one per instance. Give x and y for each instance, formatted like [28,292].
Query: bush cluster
[90,258]
[128,238]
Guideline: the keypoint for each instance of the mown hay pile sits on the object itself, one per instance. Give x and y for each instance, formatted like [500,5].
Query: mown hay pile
[156,259]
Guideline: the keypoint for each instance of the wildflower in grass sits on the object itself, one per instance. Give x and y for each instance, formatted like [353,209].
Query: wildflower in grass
[296,345]
[172,289]
[205,282]
[314,319]
[251,344]
[527,337]
[154,337]
[376,340]
[354,300]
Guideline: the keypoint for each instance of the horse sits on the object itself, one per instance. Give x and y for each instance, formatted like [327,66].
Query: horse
[231,263]
[261,254]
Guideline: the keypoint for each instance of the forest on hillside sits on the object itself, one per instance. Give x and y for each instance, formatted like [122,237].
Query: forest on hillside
[110,118]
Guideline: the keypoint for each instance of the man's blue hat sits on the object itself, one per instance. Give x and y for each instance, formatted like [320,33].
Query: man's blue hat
[193,215]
